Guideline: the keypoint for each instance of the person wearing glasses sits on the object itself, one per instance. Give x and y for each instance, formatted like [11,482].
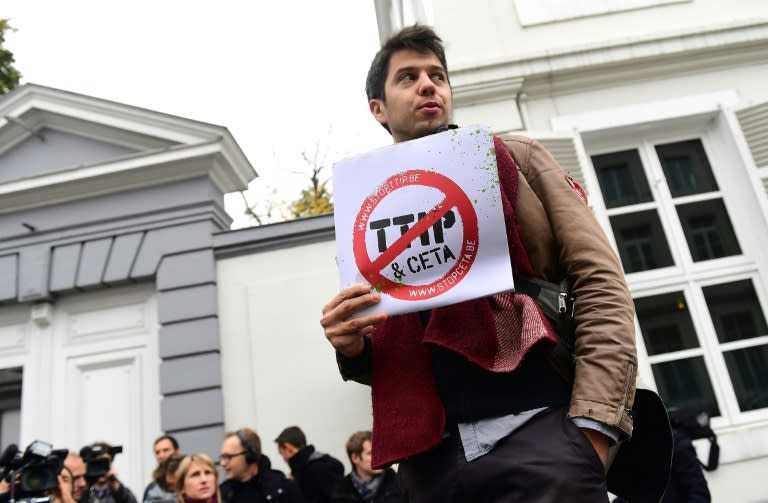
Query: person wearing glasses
[249,475]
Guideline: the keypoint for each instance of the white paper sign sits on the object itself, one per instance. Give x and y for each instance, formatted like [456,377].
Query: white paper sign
[422,221]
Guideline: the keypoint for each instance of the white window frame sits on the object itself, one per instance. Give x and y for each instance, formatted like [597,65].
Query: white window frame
[641,127]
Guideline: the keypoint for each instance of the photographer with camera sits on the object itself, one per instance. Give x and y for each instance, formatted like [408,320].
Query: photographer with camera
[32,476]
[105,487]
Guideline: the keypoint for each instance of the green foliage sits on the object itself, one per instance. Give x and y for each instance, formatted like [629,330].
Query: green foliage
[9,76]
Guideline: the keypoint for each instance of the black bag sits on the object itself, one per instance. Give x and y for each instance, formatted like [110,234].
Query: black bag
[640,471]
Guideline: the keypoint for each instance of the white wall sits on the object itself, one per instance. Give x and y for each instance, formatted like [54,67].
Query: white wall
[741,482]
[278,369]
[485,31]
[746,80]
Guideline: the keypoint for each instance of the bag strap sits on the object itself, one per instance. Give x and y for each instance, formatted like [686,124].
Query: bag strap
[713,460]
[557,303]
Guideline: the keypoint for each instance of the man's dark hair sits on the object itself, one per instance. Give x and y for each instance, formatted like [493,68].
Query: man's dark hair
[170,438]
[292,435]
[417,37]
[355,443]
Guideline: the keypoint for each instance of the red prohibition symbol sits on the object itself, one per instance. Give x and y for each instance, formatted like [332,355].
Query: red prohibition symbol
[371,267]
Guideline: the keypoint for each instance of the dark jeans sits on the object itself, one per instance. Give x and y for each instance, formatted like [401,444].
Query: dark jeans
[547,460]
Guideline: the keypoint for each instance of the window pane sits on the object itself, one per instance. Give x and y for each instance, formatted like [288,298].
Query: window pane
[708,230]
[735,311]
[686,168]
[621,177]
[641,241]
[685,384]
[749,371]
[666,323]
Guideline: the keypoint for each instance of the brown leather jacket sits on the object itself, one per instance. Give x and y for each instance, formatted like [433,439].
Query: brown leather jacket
[563,239]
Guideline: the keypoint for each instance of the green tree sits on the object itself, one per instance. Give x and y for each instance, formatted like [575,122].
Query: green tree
[9,76]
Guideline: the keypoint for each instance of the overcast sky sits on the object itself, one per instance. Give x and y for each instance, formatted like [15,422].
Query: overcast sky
[279,75]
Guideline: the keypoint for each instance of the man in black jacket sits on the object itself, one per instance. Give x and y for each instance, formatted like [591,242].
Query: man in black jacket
[686,480]
[249,474]
[316,473]
[364,484]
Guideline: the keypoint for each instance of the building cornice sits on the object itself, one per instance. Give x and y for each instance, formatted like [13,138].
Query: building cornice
[212,159]
[680,51]
[111,227]
[487,91]
[172,128]
[168,148]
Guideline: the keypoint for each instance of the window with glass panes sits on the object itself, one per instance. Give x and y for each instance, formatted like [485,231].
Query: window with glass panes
[704,331]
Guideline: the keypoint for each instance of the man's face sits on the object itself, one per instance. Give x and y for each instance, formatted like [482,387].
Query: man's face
[363,462]
[287,451]
[75,469]
[232,459]
[164,450]
[417,96]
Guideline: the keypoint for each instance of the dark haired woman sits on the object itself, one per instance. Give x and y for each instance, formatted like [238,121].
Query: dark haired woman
[163,486]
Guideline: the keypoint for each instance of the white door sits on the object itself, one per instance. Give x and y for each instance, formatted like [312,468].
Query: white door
[90,373]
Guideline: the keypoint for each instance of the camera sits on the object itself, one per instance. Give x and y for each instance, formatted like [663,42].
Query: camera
[33,474]
[98,460]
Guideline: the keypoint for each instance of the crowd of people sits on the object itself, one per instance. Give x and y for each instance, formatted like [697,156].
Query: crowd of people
[315,477]
[248,476]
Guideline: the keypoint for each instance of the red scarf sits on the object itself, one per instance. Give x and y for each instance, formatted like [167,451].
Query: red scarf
[408,415]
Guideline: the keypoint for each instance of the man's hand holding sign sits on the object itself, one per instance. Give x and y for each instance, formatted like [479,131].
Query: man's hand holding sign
[346,334]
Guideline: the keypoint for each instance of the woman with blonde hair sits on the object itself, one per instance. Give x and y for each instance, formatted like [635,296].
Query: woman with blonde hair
[197,480]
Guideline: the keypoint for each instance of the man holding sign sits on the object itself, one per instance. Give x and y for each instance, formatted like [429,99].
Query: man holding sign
[465,396]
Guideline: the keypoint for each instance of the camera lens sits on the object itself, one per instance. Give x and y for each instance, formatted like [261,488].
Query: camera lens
[40,478]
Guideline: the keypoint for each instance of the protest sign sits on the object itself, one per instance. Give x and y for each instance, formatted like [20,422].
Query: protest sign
[422,222]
